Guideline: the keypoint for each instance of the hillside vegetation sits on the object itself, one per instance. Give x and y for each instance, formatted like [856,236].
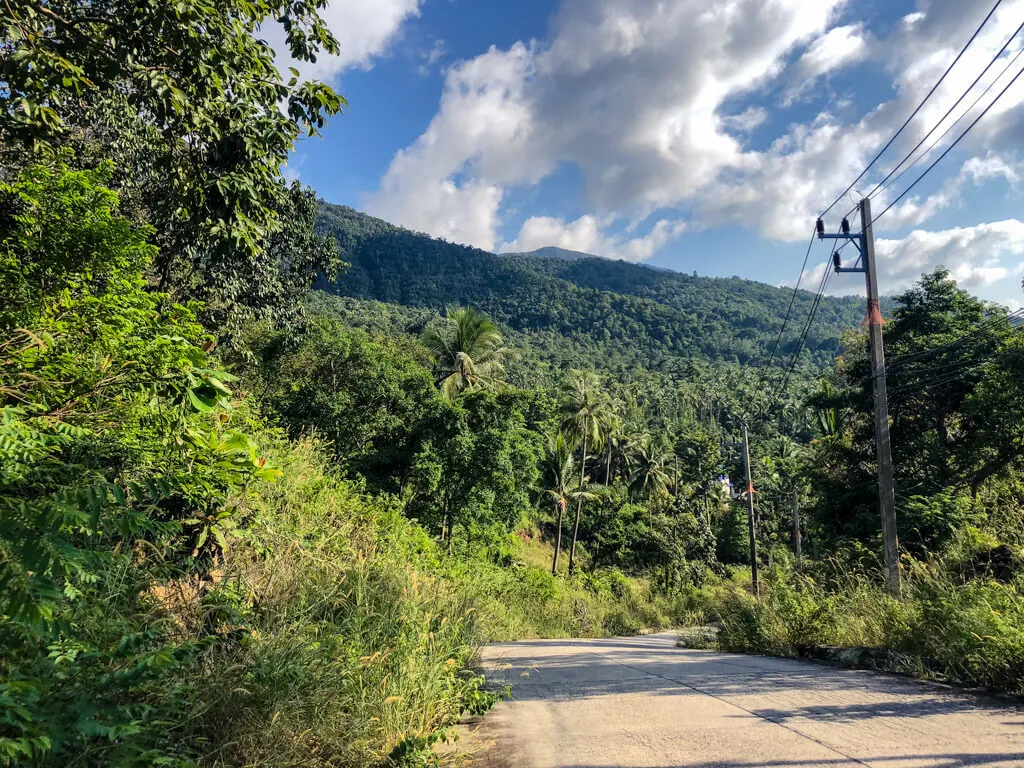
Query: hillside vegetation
[625,313]
[247,524]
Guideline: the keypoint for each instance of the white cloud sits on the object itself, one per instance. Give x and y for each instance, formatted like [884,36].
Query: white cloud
[483,125]
[432,57]
[584,234]
[747,120]
[975,256]
[839,47]
[628,90]
[992,166]
[652,103]
[364,30]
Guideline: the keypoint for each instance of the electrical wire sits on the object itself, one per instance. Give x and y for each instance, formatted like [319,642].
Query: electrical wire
[938,380]
[789,312]
[985,326]
[916,110]
[952,125]
[896,366]
[822,287]
[949,148]
[963,96]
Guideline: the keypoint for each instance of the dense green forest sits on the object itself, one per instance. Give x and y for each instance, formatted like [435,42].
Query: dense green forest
[246,523]
[624,313]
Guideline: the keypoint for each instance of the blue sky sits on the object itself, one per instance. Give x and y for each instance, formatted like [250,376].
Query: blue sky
[691,134]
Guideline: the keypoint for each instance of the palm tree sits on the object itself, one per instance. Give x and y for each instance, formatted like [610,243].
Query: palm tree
[467,351]
[585,413]
[561,486]
[614,442]
[649,477]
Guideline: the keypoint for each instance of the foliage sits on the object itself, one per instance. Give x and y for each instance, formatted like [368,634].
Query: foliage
[955,417]
[597,311]
[121,470]
[190,105]
[467,351]
[369,398]
[970,632]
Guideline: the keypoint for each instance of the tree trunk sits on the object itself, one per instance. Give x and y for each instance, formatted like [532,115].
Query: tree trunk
[579,509]
[558,538]
[608,465]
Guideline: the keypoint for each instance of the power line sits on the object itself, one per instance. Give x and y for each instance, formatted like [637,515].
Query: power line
[897,364]
[936,375]
[822,286]
[789,311]
[950,147]
[963,96]
[955,123]
[916,110]
[984,327]
[936,381]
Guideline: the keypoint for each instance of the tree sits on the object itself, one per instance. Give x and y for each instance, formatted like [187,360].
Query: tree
[368,397]
[951,400]
[476,467]
[187,100]
[614,442]
[584,413]
[116,437]
[468,352]
[648,477]
[561,486]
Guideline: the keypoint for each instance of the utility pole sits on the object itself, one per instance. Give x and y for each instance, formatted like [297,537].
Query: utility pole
[751,528]
[751,525]
[797,537]
[865,243]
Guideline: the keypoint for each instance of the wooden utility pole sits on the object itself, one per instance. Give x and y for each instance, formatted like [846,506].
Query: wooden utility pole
[751,527]
[886,488]
[865,242]
[797,536]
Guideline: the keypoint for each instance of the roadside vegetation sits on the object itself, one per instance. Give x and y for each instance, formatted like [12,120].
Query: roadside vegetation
[957,402]
[243,524]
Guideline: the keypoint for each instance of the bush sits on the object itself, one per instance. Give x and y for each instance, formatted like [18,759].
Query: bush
[967,632]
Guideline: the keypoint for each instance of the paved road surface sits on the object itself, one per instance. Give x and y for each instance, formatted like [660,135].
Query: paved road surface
[643,703]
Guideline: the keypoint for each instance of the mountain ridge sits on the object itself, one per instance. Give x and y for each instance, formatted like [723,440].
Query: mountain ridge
[556,252]
[636,315]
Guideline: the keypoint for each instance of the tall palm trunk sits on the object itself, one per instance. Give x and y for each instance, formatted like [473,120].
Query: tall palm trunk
[579,508]
[560,506]
[608,464]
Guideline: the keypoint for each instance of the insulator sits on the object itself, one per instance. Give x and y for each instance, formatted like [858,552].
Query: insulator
[835,260]
[821,227]
[846,226]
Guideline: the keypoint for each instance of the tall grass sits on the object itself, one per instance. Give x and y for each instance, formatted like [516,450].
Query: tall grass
[349,637]
[946,625]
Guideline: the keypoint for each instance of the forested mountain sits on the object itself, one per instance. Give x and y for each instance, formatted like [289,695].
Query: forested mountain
[554,252]
[630,313]
[243,526]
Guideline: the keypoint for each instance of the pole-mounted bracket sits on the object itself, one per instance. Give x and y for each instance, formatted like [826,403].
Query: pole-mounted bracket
[856,238]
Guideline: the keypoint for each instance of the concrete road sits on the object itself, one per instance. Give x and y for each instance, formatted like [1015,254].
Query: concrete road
[643,703]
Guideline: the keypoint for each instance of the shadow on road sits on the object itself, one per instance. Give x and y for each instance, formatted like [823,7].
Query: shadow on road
[935,761]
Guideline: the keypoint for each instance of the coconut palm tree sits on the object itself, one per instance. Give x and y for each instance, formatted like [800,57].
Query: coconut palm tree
[615,439]
[649,462]
[585,412]
[561,485]
[467,351]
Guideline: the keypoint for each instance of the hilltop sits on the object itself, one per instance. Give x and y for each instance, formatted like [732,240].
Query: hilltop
[625,313]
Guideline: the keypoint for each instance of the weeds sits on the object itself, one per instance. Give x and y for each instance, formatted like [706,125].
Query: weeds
[968,631]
